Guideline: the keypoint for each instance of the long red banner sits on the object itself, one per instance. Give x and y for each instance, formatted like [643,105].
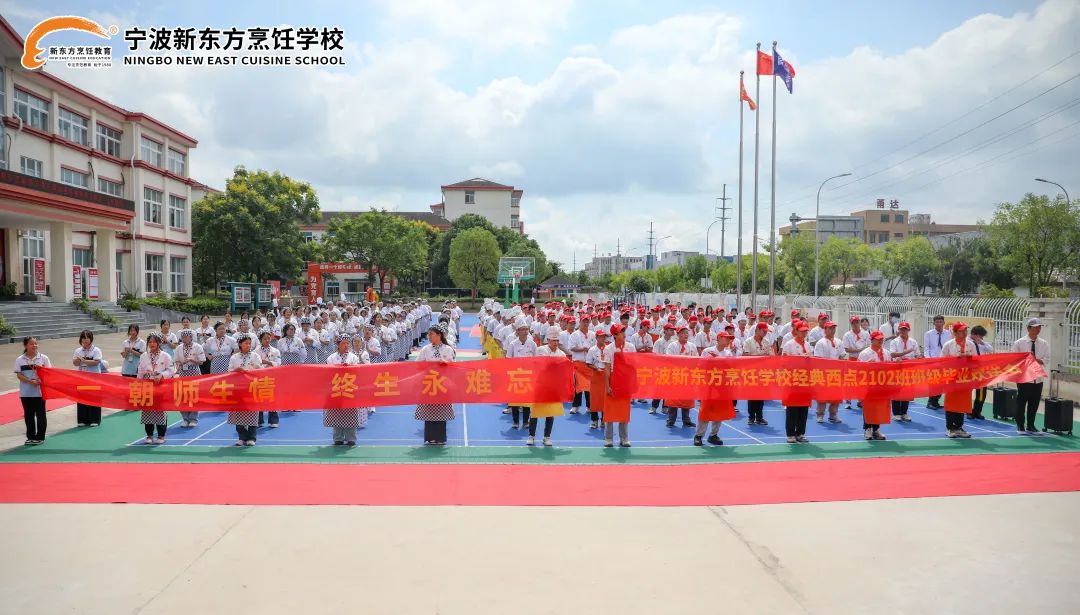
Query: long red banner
[540,379]
[799,380]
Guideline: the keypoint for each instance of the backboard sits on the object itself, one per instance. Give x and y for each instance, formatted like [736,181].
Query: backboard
[520,267]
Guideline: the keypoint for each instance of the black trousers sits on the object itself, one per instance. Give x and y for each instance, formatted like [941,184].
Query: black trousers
[656,403]
[871,426]
[245,433]
[520,412]
[756,409]
[204,368]
[899,408]
[549,422]
[34,417]
[581,396]
[1028,395]
[594,416]
[795,424]
[150,430]
[84,415]
[671,413]
[434,431]
[273,418]
[954,420]
[933,401]
[977,403]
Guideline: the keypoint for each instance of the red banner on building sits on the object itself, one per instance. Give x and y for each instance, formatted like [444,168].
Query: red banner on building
[799,380]
[316,387]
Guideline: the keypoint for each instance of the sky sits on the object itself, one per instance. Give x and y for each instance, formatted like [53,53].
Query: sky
[612,115]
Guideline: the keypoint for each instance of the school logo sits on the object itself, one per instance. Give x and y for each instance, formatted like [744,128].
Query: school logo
[75,56]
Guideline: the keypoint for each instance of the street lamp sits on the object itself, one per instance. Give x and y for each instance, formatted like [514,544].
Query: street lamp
[1047,181]
[707,250]
[656,251]
[817,229]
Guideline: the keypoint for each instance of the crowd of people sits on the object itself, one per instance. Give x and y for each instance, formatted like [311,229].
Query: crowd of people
[586,333]
[590,334]
[341,334]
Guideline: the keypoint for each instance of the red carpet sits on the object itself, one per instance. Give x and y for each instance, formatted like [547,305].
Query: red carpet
[11,407]
[522,485]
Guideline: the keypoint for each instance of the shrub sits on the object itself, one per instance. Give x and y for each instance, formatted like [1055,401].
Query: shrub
[8,290]
[1051,292]
[6,328]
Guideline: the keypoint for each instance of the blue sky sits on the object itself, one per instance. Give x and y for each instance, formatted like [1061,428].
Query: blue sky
[623,112]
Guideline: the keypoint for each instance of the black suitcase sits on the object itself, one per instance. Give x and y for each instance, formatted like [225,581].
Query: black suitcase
[1004,402]
[1058,412]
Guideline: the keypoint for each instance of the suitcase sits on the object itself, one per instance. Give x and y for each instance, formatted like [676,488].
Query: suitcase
[1004,402]
[1058,412]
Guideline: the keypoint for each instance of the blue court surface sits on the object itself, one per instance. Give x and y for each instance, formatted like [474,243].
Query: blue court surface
[485,425]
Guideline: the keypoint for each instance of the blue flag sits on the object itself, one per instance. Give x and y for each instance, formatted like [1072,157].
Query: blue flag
[783,70]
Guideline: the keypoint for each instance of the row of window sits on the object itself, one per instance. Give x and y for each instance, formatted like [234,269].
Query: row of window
[154,273]
[153,200]
[34,112]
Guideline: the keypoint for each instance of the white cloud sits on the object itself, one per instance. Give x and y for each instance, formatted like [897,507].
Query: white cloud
[482,24]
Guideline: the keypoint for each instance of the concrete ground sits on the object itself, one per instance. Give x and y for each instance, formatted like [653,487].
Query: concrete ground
[994,554]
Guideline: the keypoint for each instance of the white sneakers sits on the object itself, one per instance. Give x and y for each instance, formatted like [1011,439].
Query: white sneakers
[868,434]
[148,440]
[547,441]
[574,410]
[957,433]
[530,441]
[821,419]
[791,440]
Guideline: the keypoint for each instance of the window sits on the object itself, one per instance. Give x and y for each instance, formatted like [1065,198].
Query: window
[898,235]
[72,177]
[108,140]
[82,257]
[513,221]
[150,151]
[3,94]
[107,186]
[152,205]
[155,267]
[308,236]
[33,111]
[177,272]
[29,166]
[470,197]
[177,212]
[176,162]
[885,218]
[899,218]
[33,246]
[74,127]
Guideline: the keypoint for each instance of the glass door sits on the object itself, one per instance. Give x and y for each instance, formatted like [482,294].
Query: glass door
[33,246]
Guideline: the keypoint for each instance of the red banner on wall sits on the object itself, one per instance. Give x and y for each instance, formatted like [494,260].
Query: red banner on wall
[316,387]
[799,380]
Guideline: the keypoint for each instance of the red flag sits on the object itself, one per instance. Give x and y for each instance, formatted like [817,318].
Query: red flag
[764,63]
[744,96]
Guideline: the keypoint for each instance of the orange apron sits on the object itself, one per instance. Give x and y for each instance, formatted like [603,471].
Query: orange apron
[616,410]
[958,401]
[582,376]
[598,395]
[716,410]
[877,411]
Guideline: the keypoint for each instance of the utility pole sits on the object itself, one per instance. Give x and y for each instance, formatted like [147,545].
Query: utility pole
[618,255]
[649,263]
[723,219]
[599,266]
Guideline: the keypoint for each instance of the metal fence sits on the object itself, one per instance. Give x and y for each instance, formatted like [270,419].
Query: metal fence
[1009,315]
[1072,333]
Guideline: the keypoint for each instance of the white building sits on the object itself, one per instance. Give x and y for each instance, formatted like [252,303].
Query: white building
[679,257]
[85,182]
[500,204]
[613,264]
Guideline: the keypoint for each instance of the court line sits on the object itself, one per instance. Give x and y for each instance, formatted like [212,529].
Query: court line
[739,430]
[167,428]
[465,419]
[966,424]
[206,433]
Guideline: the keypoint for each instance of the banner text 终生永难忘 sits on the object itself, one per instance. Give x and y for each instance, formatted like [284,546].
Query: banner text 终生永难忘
[323,386]
[799,380]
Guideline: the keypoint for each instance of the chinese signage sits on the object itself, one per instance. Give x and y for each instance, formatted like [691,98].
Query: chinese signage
[76,281]
[893,204]
[241,295]
[92,283]
[39,275]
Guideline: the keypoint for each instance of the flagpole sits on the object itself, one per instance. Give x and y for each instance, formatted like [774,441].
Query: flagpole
[738,263]
[772,178]
[757,147]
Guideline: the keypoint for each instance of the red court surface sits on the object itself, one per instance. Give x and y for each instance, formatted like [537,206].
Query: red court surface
[11,408]
[521,485]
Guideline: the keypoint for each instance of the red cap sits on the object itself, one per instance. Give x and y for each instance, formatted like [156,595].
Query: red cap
[681,328]
[669,326]
[617,328]
[822,316]
[693,319]
[854,319]
[656,308]
[726,334]
[645,324]
[671,318]
[764,326]
[877,335]
[729,325]
[958,326]
[904,325]
[828,323]
[802,326]
[708,319]
[764,313]
[794,312]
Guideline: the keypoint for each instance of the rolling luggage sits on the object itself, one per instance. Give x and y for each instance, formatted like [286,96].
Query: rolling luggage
[1058,412]
[1004,402]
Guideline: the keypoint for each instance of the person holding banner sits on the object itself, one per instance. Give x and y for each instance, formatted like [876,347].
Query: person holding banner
[957,403]
[344,421]
[714,411]
[757,346]
[978,332]
[933,341]
[87,359]
[875,411]
[246,421]
[220,347]
[683,347]
[155,365]
[268,357]
[546,410]
[580,343]
[598,380]
[521,346]
[188,361]
[903,348]
[660,347]
[828,348]
[33,404]
[435,416]
[795,424]
[616,409]
[855,341]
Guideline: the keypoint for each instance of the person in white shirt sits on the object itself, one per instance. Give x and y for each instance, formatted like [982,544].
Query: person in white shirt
[344,421]
[580,342]
[547,410]
[829,348]
[796,316]
[890,328]
[187,359]
[682,347]
[616,409]
[155,364]
[933,341]
[978,332]
[521,346]
[706,336]
[855,341]
[875,411]
[903,348]
[87,358]
[598,380]
[642,340]
[957,403]
[245,421]
[714,411]
[1028,394]
[818,332]
[795,424]
[757,345]
[33,404]
[268,356]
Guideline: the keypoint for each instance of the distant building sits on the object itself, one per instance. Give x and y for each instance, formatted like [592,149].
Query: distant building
[678,257]
[556,287]
[498,203]
[613,264]
[878,226]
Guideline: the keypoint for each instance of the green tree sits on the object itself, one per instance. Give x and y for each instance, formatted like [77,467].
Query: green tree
[797,257]
[1038,239]
[694,269]
[913,261]
[440,265]
[474,260]
[582,278]
[849,257]
[639,283]
[251,231]
[379,241]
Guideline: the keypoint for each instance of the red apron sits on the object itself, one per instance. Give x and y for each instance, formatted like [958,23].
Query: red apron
[716,410]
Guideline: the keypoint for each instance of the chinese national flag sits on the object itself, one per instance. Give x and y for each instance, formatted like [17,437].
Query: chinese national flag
[764,63]
[744,96]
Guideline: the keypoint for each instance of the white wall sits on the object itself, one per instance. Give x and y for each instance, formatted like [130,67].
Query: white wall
[491,204]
